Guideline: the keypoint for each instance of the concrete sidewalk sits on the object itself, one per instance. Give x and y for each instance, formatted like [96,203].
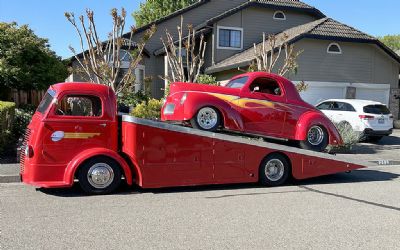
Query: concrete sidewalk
[9,173]
[387,150]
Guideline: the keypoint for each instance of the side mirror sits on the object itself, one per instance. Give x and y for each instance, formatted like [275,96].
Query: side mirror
[256,89]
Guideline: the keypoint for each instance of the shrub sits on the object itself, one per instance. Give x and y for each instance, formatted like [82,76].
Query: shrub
[148,109]
[207,79]
[7,110]
[23,116]
[349,137]
[131,99]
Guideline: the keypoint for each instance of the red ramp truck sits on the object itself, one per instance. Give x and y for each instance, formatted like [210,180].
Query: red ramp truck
[76,134]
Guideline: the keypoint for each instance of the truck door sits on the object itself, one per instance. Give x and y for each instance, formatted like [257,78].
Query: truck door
[75,123]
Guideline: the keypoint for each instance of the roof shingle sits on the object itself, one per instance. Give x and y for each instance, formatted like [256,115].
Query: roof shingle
[323,28]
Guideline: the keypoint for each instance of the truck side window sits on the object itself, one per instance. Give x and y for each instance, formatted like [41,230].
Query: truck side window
[79,105]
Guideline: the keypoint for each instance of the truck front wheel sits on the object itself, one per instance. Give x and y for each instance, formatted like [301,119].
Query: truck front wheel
[99,175]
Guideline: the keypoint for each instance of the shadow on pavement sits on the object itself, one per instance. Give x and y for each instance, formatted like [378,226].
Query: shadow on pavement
[353,177]
[387,143]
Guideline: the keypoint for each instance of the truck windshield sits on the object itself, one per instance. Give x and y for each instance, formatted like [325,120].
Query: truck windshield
[46,101]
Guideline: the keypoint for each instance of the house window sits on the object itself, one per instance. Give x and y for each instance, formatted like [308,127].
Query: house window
[279,15]
[139,78]
[125,58]
[230,38]
[334,48]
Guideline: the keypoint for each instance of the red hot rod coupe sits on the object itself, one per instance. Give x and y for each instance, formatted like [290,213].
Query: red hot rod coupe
[255,103]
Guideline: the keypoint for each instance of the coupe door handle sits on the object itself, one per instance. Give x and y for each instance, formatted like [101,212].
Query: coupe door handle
[103,125]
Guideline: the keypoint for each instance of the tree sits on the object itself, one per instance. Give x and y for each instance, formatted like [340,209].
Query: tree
[185,57]
[26,61]
[101,62]
[267,56]
[152,10]
[392,41]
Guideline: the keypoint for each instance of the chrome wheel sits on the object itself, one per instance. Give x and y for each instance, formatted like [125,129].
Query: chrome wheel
[100,175]
[207,118]
[315,135]
[274,170]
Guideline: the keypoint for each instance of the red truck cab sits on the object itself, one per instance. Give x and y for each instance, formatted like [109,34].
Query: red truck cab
[73,122]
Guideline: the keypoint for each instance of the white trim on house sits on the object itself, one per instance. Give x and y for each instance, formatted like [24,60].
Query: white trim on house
[334,52]
[279,12]
[230,28]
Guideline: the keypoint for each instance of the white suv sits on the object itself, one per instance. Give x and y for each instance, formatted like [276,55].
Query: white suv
[371,119]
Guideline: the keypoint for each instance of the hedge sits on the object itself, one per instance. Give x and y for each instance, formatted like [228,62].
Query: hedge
[7,112]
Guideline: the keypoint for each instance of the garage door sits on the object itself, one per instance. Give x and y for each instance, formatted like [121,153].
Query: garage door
[316,94]
[379,95]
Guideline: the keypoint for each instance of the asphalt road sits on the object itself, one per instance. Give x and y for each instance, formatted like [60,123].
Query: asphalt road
[360,210]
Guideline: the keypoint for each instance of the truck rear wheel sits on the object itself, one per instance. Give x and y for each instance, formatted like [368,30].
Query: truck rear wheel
[274,170]
[100,175]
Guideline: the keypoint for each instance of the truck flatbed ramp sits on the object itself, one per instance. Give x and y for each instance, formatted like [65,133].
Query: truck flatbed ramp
[171,155]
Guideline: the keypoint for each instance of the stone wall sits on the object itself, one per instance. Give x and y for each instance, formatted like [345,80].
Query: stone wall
[394,103]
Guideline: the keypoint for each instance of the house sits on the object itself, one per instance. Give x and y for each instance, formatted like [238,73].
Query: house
[337,61]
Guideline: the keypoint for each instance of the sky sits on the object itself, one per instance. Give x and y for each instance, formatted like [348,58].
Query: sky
[46,17]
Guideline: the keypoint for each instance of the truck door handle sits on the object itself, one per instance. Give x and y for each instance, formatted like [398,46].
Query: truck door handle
[103,125]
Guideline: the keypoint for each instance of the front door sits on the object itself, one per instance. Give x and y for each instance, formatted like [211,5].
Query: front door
[262,107]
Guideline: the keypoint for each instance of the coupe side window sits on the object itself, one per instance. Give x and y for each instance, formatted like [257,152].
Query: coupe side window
[266,86]
[79,105]
[237,83]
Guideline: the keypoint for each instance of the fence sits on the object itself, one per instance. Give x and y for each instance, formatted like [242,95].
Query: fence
[21,97]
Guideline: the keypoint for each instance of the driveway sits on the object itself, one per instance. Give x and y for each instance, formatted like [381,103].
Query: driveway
[388,149]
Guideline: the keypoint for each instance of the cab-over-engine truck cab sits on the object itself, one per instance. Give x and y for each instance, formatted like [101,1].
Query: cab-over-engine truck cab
[74,134]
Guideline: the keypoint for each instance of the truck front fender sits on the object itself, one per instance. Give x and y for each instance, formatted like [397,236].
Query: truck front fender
[87,154]
[309,119]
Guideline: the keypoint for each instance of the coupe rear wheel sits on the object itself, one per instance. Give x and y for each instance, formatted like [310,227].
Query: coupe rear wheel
[207,118]
[316,139]
[100,175]
[274,170]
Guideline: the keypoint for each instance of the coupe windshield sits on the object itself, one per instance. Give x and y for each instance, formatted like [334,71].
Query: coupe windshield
[46,101]
[237,83]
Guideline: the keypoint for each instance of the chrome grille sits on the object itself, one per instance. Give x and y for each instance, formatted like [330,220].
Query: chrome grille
[22,150]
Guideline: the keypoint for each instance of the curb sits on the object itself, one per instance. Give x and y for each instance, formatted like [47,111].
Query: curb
[9,178]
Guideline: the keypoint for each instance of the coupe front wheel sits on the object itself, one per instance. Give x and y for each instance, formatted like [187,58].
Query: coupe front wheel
[316,139]
[207,118]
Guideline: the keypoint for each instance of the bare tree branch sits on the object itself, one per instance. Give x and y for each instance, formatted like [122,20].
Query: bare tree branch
[101,61]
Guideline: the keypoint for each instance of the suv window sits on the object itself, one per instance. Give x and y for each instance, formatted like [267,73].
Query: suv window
[377,109]
[266,86]
[325,106]
[348,107]
[79,105]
